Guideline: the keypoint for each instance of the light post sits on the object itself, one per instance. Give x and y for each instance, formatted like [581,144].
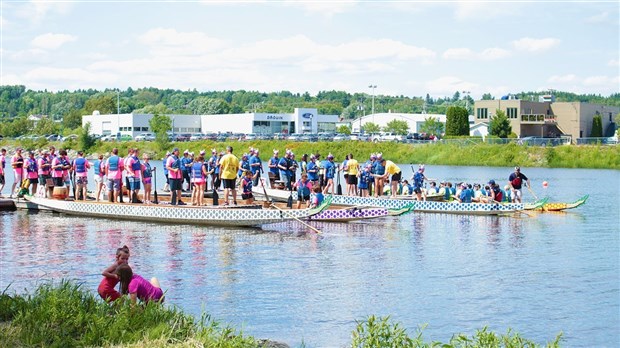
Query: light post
[467,93]
[373,101]
[118,113]
[360,107]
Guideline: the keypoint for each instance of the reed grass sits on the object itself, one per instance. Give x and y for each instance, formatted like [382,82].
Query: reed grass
[66,315]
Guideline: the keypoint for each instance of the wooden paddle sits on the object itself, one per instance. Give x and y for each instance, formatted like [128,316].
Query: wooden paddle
[298,220]
[289,202]
[262,183]
[339,188]
[516,210]
[532,192]
[155,184]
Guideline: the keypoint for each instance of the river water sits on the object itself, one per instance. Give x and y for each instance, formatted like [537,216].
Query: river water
[539,275]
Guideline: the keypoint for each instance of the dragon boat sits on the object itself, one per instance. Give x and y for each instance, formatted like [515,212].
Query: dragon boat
[193,215]
[358,213]
[558,206]
[423,206]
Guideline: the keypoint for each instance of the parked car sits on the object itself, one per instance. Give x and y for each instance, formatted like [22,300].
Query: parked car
[264,137]
[251,136]
[341,137]
[211,136]
[197,136]
[222,137]
[326,136]
[182,137]
[53,137]
[279,136]
[294,137]
[69,137]
[145,137]
[126,137]
[387,136]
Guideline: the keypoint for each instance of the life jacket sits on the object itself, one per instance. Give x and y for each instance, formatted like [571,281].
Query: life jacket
[44,171]
[516,182]
[32,166]
[274,160]
[197,170]
[136,166]
[448,193]
[247,185]
[19,162]
[312,175]
[97,166]
[418,180]
[318,198]
[302,188]
[148,172]
[379,168]
[499,195]
[55,162]
[175,163]
[80,165]
[113,162]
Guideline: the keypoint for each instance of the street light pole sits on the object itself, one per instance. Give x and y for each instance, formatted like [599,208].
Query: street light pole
[118,113]
[373,101]
[467,100]
[360,107]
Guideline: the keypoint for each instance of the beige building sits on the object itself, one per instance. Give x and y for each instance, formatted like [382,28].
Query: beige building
[547,118]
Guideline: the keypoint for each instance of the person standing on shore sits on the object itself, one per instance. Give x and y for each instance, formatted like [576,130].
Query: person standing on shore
[2,166]
[114,170]
[17,162]
[81,167]
[515,180]
[173,164]
[353,169]
[229,164]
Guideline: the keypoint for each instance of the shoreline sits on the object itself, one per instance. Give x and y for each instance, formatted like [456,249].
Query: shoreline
[465,153]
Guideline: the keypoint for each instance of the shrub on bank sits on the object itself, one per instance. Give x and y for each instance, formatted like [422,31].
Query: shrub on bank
[66,315]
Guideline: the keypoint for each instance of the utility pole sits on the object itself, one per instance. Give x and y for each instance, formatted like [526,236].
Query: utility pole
[373,101]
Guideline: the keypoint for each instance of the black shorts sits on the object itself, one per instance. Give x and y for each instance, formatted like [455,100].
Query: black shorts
[175,184]
[59,182]
[303,198]
[247,195]
[397,176]
[352,180]
[1,179]
[229,183]
[417,190]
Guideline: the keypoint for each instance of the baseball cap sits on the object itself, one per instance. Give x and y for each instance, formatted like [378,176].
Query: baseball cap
[186,151]
[176,149]
[517,168]
[491,182]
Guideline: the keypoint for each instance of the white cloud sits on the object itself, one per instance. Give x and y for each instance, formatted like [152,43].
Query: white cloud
[447,85]
[466,53]
[37,11]
[163,41]
[30,55]
[599,18]
[562,78]
[466,10]
[52,41]
[614,62]
[535,45]
[458,53]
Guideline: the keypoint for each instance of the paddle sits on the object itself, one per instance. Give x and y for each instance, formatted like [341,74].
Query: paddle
[262,183]
[339,188]
[298,220]
[289,202]
[216,197]
[532,192]
[155,184]
[516,210]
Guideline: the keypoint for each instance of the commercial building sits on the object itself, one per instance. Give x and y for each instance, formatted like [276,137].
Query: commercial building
[302,120]
[548,118]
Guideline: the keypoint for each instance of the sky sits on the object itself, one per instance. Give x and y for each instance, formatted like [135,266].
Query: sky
[409,48]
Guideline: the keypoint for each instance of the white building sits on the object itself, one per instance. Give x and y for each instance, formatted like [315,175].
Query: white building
[300,121]
[413,120]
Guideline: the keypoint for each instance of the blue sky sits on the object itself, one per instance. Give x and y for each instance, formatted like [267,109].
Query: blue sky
[403,47]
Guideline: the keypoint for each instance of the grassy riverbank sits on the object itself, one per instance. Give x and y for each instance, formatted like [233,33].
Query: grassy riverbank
[66,315]
[459,154]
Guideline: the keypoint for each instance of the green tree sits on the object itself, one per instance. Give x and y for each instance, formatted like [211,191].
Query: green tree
[160,125]
[46,126]
[431,125]
[72,120]
[105,104]
[370,127]
[85,140]
[397,126]
[597,127]
[487,96]
[344,129]
[499,125]
[457,121]
[617,119]
[154,109]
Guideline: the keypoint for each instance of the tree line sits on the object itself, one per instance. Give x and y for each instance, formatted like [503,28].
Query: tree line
[64,109]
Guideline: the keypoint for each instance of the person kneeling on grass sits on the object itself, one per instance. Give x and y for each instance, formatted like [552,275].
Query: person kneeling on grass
[138,287]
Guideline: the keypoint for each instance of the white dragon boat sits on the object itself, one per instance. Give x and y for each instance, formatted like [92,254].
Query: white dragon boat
[193,215]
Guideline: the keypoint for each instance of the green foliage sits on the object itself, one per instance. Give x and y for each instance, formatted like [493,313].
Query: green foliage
[457,121]
[84,140]
[105,104]
[397,126]
[499,125]
[73,119]
[160,125]
[487,96]
[370,127]
[431,125]
[597,127]
[46,126]
[65,315]
[379,332]
[344,129]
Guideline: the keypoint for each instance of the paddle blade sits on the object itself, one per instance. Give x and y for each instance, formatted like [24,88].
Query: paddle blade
[216,197]
[339,190]
[289,202]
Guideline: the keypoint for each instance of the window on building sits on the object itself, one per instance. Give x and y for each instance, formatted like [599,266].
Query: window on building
[326,127]
[482,113]
[307,124]
[511,112]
